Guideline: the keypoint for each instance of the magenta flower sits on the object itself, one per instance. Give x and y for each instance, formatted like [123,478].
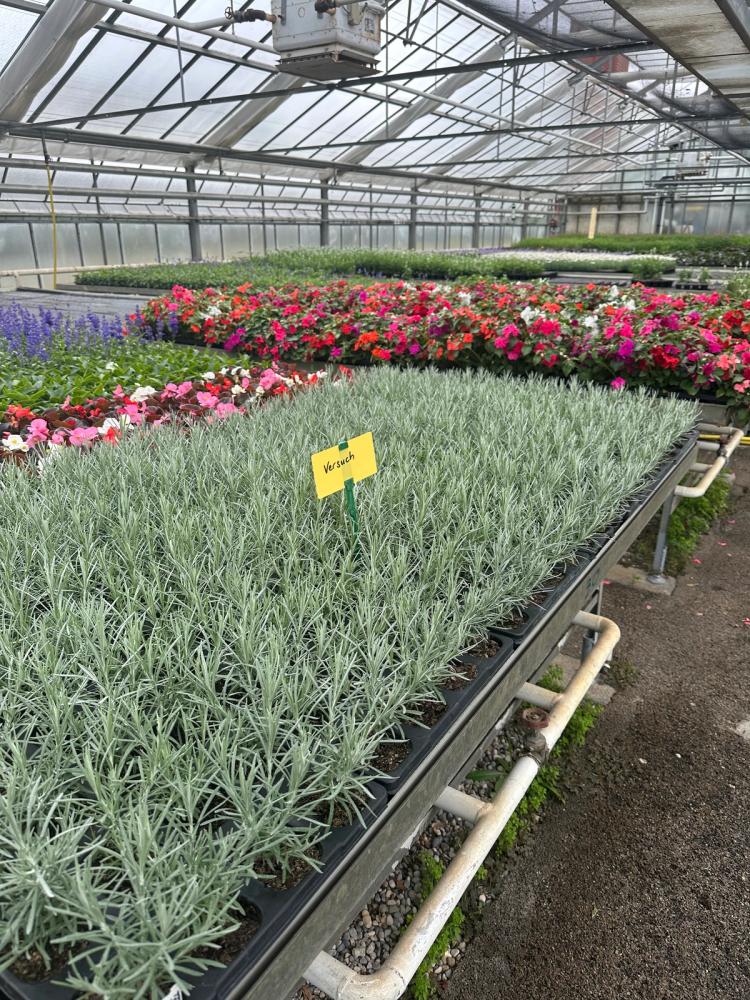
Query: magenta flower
[233,340]
[618,383]
[625,349]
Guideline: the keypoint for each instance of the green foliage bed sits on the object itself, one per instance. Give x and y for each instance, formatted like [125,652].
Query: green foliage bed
[700,251]
[320,265]
[192,656]
[84,374]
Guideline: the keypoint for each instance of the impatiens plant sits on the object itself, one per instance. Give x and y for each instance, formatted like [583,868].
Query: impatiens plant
[698,345]
[196,664]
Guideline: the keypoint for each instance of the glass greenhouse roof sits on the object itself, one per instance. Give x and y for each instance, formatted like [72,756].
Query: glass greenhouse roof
[127,98]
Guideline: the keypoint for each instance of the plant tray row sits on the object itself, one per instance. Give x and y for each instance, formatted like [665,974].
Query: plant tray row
[422,759]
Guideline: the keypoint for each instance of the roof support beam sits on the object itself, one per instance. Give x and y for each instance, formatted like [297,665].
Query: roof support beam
[424,106]
[245,119]
[43,53]
[197,152]
[385,78]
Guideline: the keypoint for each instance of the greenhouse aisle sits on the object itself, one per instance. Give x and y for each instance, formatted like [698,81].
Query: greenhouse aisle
[638,885]
[75,304]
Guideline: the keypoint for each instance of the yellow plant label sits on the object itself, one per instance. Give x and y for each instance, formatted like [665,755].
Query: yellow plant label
[333,466]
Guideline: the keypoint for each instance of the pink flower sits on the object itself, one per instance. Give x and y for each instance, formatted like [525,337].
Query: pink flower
[58,437]
[225,410]
[268,379]
[80,436]
[618,383]
[39,431]
[133,411]
[206,400]
[183,388]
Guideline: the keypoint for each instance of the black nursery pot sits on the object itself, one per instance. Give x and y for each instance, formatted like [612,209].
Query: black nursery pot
[13,988]
[421,739]
[276,907]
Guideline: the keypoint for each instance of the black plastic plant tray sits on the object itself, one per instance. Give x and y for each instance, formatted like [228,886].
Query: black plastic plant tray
[275,908]
[12,988]
[452,747]
[320,907]
[422,738]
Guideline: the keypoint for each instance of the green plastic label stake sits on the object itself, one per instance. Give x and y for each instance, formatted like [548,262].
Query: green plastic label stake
[351,504]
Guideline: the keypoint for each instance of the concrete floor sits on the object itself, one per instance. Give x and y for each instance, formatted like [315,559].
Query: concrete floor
[638,886]
[75,304]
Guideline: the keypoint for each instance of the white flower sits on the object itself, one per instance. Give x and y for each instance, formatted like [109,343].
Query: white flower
[629,304]
[115,423]
[614,292]
[49,455]
[464,298]
[14,442]
[528,314]
[142,393]
[590,321]
[208,376]
[236,390]
[110,366]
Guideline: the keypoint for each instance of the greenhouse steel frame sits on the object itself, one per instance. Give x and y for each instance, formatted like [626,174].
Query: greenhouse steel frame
[487,120]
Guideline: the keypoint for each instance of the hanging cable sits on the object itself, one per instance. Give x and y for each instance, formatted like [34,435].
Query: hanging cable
[53,216]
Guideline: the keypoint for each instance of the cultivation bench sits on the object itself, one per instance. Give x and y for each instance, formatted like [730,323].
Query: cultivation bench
[716,422]
[324,904]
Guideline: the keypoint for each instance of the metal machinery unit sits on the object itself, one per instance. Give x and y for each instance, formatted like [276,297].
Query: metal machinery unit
[327,39]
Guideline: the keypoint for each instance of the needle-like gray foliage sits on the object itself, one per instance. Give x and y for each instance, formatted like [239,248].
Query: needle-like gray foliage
[192,655]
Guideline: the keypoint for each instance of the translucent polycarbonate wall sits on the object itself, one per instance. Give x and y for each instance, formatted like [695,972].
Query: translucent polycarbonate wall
[27,246]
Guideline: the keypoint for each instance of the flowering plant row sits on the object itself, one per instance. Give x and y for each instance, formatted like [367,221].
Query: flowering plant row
[216,395]
[694,344]
[46,356]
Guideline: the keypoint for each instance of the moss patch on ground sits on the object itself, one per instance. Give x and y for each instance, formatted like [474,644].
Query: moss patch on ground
[690,520]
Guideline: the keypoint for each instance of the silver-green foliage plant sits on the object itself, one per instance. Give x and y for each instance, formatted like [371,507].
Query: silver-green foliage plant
[192,655]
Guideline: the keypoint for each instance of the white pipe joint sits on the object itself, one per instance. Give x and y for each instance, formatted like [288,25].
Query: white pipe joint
[458,803]
[708,428]
[392,979]
[539,696]
[725,452]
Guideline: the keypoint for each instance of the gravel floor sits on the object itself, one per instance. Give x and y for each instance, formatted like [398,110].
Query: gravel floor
[638,887]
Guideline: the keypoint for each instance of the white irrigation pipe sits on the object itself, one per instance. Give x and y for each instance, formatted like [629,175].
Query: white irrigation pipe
[712,471]
[488,818]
